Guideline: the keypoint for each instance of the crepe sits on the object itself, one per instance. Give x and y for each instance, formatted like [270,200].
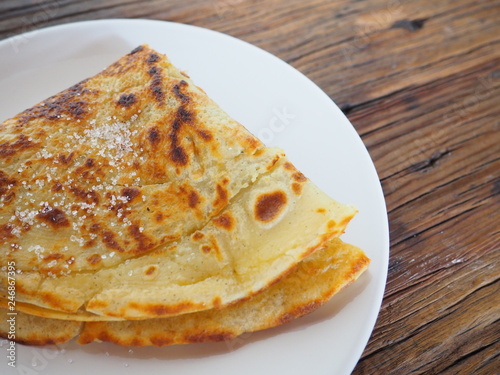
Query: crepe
[132,195]
[312,283]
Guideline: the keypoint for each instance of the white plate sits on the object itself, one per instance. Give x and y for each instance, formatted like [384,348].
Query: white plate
[282,107]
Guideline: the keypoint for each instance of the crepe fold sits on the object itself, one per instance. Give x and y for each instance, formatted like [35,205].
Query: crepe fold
[311,284]
[132,200]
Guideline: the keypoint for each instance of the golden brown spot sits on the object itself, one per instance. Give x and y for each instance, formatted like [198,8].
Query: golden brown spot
[89,163]
[217,303]
[259,152]
[152,58]
[6,231]
[209,337]
[57,187]
[204,134]
[273,162]
[213,247]
[54,217]
[221,196]
[159,217]
[151,270]
[94,259]
[225,221]
[164,310]
[156,84]
[297,188]
[178,91]
[6,182]
[177,153]
[89,196]
[252,142]
[90,243]
[270,205]
[299,177]
[198,236]
[161,341]
[331,224]
[144,242]
[108,239]
[127,100]
[321,210]
[136,49]
[66,159]
[289,166]
[154,135]
[22,143]
[184,115]
[136,342]
[95,228]
[84,172]
[346,221]
[9,197]
[193,199]
[130,193]
[178,156]
[53,256]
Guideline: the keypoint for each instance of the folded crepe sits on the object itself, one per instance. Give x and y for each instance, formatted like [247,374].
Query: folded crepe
[306,288]
[133,196]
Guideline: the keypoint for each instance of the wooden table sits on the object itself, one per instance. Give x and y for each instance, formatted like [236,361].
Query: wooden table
[420,82]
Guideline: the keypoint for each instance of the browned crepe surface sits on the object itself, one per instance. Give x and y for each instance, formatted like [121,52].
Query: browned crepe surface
[132,195]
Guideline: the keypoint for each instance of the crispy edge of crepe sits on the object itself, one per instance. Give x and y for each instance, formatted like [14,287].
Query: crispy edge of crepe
[310,285]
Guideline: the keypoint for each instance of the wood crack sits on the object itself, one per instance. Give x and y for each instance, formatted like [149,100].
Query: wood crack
[430,162]
[410,25]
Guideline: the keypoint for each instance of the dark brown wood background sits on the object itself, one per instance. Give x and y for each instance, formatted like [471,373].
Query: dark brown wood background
[420,81]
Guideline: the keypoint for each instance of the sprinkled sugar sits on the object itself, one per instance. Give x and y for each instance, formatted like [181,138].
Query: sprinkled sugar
[111,138]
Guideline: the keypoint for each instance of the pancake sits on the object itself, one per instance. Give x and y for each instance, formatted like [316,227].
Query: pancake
[238,254]
[311,284]
[132,195]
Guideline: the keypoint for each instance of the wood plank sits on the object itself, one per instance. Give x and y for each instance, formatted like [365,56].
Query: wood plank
[436,337]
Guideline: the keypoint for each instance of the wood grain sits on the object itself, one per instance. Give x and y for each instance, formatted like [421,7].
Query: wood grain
[420,81]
